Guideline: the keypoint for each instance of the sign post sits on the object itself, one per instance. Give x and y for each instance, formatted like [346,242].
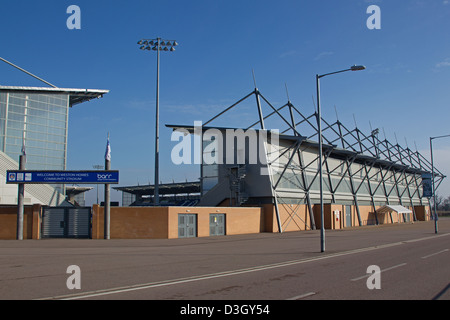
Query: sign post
[107,212]
[62,177]
[427,188]
[22,177]
[20,200]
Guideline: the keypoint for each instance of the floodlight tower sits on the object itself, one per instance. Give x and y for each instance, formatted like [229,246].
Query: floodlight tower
[158,45]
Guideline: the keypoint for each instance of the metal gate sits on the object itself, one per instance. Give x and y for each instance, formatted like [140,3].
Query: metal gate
[217,224]
[66,222]
[187,225]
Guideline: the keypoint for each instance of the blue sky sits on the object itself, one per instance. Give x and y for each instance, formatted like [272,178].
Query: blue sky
[405,89]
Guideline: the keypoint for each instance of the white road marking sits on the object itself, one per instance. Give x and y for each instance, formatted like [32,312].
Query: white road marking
[302,296]
[433,254]
[387,269]
[143,286]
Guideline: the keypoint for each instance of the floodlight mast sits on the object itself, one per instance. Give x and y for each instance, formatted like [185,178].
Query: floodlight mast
[157,44]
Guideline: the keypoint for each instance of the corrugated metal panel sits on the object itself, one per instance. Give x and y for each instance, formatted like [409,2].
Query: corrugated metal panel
[79,223]
[53,223]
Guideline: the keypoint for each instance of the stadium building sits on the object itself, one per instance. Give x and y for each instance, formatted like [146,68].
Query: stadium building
[252,179]
[366,180]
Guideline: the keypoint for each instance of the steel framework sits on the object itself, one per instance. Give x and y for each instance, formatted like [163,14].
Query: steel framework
[385,169]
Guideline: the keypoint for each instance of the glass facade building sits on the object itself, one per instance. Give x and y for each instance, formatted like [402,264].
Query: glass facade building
[38,121]
[36,118]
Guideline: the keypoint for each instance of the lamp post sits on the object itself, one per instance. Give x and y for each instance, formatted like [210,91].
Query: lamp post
[322,224]
[432,176]
[158,45]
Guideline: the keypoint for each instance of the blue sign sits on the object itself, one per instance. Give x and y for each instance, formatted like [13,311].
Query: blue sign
[62,177]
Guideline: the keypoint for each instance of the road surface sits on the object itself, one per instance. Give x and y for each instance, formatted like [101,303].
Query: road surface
[413,264]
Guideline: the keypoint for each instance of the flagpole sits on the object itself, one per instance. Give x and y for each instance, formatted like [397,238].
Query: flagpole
[107,192]
[20,197]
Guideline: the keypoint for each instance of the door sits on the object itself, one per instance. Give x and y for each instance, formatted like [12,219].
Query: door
[187,225]
[348,216]
[217,224]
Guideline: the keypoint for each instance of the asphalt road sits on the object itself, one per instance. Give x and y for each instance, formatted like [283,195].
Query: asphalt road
[413,262]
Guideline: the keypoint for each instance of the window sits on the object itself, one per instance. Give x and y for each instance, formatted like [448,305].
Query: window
[41,120]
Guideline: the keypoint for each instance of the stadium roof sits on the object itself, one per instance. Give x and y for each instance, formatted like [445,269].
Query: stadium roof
[336,151]
[170,188]
[76,95]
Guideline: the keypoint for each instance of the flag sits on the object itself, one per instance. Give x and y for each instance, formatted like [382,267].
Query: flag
[108,150]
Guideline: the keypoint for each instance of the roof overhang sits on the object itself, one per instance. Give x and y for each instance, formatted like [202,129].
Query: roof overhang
[335,152]
[74,190]
[194,130]
[390,208]
[76,96]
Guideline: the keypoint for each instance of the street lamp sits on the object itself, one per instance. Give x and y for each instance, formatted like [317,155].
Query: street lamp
[432,176]
[158,45]
[322,227]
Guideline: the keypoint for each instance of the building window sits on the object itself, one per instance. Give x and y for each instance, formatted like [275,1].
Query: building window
[39,120]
